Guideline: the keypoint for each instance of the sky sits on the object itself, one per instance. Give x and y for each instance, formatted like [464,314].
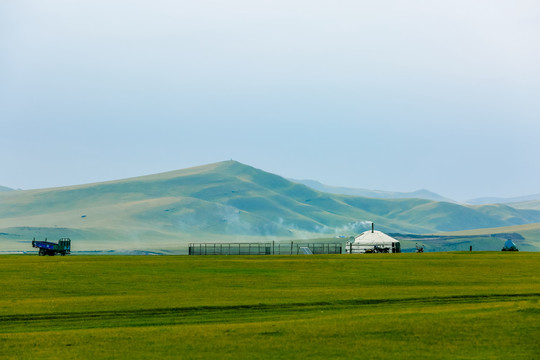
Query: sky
[389,95]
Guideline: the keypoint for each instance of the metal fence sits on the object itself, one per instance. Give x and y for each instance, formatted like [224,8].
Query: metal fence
[321,248]
[262,248]
[230,249]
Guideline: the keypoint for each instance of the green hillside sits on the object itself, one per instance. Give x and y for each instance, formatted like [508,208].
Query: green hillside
[499,200]
[419,194]
[530,204]
[226,201]
[522,229]
[526,237]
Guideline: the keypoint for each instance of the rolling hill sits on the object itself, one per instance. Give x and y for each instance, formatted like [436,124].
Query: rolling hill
[530,204]
[526,237]
[4,188]
[499,200]
[531,231]
[419,194]
[226,201]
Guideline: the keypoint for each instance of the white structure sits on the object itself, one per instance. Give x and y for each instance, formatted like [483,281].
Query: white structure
[373,241]
[509,246]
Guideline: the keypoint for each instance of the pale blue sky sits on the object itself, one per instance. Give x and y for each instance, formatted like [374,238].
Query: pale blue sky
[391,95]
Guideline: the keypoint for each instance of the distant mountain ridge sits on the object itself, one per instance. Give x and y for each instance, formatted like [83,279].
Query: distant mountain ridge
[379,194]
[225,200]
[531,204]
[499,200]
[5,188]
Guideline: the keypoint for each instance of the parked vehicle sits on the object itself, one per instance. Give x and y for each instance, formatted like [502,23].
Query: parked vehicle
[381,249]
[62,247]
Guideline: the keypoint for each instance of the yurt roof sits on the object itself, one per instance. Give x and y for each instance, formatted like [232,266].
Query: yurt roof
[374,237]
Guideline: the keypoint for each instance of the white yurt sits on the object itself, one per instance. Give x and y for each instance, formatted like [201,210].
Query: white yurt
[373,241]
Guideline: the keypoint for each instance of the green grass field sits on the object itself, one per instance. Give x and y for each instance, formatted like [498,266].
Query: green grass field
[480,305]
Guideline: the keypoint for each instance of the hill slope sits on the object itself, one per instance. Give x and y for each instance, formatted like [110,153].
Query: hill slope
[498,200]
[530,204]
[226,199]
[379,194]
[526,237]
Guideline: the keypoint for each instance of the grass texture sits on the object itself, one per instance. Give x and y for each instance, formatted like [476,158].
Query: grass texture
[387,306]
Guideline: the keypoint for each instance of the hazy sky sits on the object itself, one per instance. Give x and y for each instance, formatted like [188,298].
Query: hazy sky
[387,94]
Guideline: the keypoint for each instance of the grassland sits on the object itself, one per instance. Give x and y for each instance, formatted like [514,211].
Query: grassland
[529,232]
[388,306]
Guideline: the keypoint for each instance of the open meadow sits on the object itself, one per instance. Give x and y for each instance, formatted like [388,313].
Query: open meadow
[479,305]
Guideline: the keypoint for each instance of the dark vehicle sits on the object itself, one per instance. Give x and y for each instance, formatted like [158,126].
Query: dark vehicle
[63,247]
[381,250]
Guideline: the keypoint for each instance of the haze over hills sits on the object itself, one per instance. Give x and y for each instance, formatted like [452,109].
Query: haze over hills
[4,188]
[499,200]
[532,204]
[419,194]
[223,201]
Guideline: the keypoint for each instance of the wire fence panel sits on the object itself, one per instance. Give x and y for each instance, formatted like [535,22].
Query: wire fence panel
[262,248]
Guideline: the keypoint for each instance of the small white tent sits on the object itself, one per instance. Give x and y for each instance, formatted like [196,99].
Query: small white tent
[509,246]
[373,241]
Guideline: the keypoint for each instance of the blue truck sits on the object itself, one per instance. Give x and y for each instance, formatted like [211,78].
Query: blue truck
[62,247]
